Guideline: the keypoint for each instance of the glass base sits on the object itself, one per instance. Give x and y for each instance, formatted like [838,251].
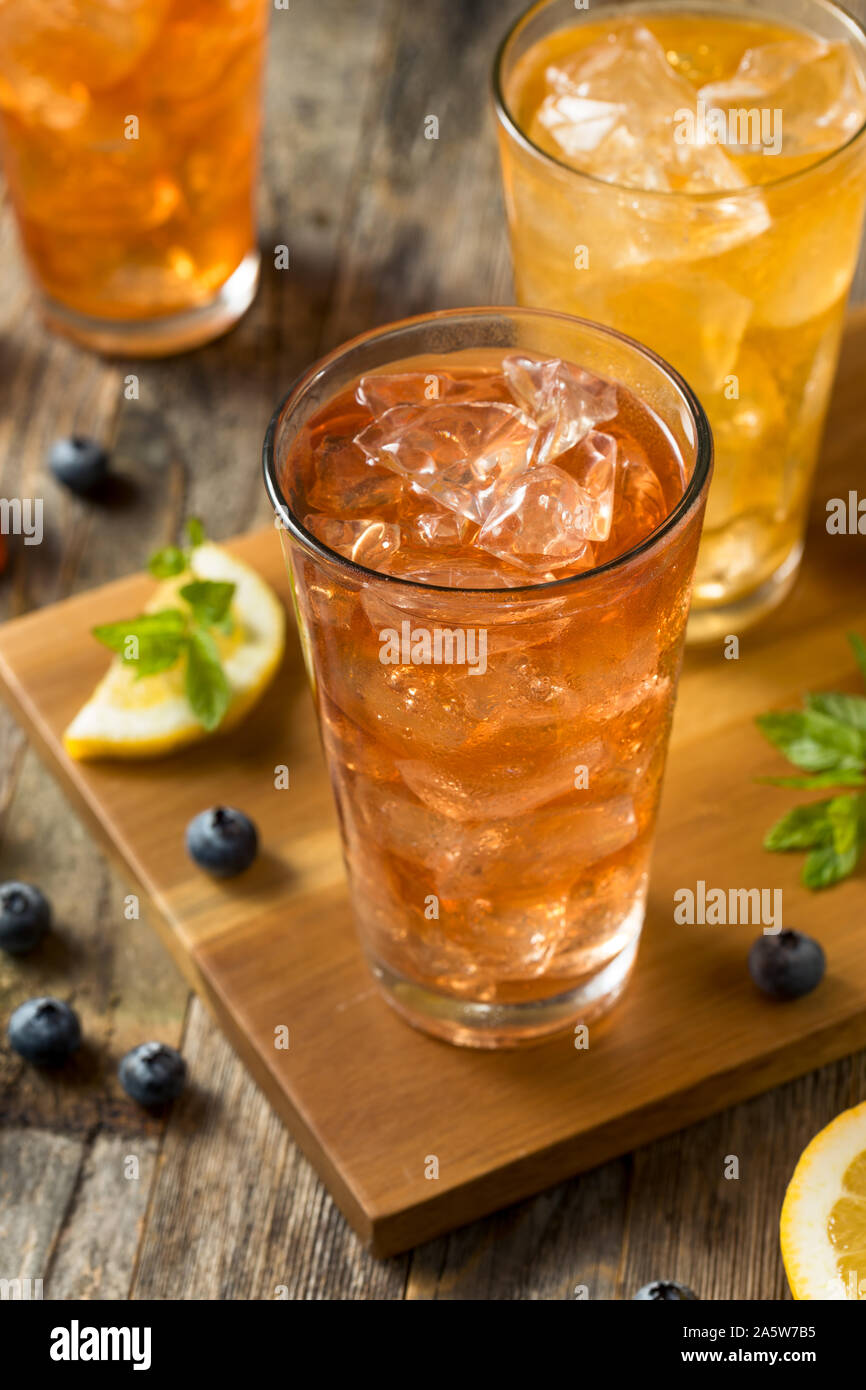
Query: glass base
[471,1024]
[163,336]
[726,619]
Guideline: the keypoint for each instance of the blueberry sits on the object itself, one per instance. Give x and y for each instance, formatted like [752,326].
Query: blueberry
[664,1291]
[222,840]
[78,463]
[25,917]
[152,1073]
[44,1031]
[786,965]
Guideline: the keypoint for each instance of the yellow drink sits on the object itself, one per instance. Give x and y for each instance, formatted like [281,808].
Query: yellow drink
[696,179]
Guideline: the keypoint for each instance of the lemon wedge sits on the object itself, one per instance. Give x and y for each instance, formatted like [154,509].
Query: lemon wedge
[823,1226]
[145,718]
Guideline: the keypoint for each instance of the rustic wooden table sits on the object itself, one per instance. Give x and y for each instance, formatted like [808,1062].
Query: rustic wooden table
[380,222]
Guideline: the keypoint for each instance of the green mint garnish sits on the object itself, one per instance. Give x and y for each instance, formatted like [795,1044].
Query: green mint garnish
[847,709]
[803,828]
[837,856]
[165,563]
[153,642]
[209,600]
[844,778]
[194,532]
[815,742]
[165,623]
[827,739]
[171,560]
[206,686]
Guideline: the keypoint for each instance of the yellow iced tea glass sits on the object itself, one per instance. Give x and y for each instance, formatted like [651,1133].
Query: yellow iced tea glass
[130,132]
[695,177]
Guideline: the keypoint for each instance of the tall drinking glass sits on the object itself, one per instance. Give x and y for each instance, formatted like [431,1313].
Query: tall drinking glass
[130,133]
[495,738]
[694,175]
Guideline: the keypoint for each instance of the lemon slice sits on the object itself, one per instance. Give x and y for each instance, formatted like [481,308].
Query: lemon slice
[823,1227]
[129,718]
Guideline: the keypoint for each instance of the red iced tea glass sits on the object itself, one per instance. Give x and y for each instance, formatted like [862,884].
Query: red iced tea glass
[490,519]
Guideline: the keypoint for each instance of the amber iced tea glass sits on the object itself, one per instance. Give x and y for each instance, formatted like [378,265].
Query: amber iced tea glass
[496,824]
[130,133]
[742,285]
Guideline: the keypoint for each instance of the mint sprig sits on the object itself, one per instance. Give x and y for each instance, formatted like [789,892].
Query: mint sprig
[172,560]
[827,740]
[814,741]
[206,686]
[151,642]
[154,642]
[210,601]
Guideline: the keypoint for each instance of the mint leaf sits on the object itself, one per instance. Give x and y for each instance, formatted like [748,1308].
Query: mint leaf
[846,709]
[802,828]
[194,531]
[825,866]
[209,600]
[828,741]
[828,863]
[206,686]
[154,642]
[817,780]
[167,562]
[858,646]
[168,623]
[151,642]
[844,817]
[156,654]
[814,741]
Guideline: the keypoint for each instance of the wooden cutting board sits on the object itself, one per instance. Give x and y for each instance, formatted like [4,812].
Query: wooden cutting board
[369,1100]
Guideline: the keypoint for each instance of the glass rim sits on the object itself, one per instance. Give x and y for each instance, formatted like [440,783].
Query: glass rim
[289,521]
[516,131]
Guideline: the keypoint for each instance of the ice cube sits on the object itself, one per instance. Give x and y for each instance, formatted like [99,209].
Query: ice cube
[756,429]
[619,111]
[353,748]
[704,316]
[510,937]
[366,541]
[510,788]
[457,453]
[592,463]
[605,914]
[817,87]
[399,824]
[51,53]
[411,709]
[128,188]
[533,849]
[635,682]
[382,392]
[440,529]
[194,59]
[639,502]
[538,703]
[452,572]
[566,402]
[346,484]
[576,123]
[542,521]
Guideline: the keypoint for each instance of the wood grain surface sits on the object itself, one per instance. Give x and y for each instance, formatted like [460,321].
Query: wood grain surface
[381,223]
